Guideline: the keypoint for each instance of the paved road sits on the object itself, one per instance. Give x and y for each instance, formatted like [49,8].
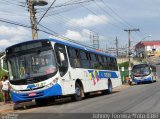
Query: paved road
[137,98]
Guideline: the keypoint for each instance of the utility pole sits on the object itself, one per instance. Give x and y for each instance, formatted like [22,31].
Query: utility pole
[116,46]
[129,46]
[32,12]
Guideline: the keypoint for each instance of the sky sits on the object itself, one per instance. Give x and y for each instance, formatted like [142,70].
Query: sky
[106,19]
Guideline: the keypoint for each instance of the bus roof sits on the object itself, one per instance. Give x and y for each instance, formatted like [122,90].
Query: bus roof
[143,64]
[79,46]
[67,43]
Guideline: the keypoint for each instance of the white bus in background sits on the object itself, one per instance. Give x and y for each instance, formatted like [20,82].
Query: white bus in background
[41,70]
[144,73]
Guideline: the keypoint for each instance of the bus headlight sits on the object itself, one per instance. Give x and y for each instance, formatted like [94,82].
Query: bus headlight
[15,91]
[52,83]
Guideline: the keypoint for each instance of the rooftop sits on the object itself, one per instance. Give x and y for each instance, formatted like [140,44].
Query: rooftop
[148,43]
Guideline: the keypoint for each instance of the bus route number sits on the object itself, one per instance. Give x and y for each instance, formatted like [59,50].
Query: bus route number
[108,75]
[40,84]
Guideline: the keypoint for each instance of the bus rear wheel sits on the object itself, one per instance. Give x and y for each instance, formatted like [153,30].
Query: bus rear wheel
[109,90]
[78,93]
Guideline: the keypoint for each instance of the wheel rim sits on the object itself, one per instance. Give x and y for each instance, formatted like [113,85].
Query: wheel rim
[78,92]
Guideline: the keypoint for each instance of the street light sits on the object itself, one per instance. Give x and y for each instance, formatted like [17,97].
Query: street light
[146,37]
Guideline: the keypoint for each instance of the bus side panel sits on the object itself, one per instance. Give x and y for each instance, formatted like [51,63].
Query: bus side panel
[116,81]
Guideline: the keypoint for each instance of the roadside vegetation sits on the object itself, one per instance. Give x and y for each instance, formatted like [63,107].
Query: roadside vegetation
[124,73]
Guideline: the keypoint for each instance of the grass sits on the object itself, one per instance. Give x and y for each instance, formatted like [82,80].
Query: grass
[2,73]
[1,97]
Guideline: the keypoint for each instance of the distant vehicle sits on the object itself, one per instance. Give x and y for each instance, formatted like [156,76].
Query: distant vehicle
[143,73]
[41,70]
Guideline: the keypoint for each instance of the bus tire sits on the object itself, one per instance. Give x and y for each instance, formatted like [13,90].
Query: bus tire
[109,90]
[78,93]
[41,102]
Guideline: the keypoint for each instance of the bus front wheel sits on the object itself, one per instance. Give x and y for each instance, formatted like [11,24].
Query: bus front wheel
[78,93]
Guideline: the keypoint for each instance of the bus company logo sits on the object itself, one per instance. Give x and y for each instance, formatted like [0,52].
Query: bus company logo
[31,86]
[94,76]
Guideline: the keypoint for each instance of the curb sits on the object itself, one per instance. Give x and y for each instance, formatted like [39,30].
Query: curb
[119,88]
[8,108]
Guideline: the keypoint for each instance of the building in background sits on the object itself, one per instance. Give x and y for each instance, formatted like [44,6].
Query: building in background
[147,49]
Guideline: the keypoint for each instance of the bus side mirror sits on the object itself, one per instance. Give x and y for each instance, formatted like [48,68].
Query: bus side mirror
[61,56]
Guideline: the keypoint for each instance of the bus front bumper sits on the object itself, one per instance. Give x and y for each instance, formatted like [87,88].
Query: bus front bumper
[141,80]
[55,90]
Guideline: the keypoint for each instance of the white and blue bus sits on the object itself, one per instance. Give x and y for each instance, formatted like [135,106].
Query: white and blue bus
[43,69]
[143,73]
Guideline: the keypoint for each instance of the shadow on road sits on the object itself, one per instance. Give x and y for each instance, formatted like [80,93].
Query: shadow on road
[60,101]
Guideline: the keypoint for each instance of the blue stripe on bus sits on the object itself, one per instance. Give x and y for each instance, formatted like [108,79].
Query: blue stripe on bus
[102,74]
[55,90]
[143,80]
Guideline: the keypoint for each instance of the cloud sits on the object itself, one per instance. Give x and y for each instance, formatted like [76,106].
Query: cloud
[12,35]
[88,21]
[73,35]
[82,36]
[12,31]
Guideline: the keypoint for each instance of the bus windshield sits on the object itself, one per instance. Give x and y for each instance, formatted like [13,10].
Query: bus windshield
[33,64]
[141,70]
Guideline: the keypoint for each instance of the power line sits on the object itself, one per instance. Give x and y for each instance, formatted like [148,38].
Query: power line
[13,3]
[128,24]
[22,25]
[106,12]
[58,11]
[46,12]
[48,29]
[68,4]
[13,23]
[101,18]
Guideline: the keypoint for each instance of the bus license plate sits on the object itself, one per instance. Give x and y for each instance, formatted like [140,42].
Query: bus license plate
[32,94]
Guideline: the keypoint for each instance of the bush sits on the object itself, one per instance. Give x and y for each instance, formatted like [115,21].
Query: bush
[124,64]
[125,72]
[2,73]
[1,97]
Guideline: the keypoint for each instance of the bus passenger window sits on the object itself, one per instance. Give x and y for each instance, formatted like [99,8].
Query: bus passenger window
[85,60]
[74,57]
[100,60]
[94,61]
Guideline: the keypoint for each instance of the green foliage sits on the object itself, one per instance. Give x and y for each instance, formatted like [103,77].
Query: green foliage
[2,73]
[1,97]
[124,64]
[124,73]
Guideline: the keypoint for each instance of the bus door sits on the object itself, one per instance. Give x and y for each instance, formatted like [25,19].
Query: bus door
[62,61]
